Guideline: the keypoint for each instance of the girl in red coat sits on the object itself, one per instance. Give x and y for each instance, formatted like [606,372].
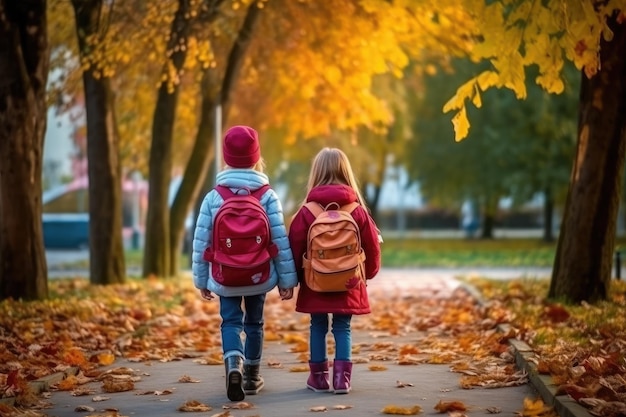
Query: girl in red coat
[332,181]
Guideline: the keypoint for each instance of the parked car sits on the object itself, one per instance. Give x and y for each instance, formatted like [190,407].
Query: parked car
[65,218]
[65,230]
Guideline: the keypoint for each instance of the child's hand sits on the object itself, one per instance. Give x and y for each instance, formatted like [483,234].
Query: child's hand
[285,293]
[206,294]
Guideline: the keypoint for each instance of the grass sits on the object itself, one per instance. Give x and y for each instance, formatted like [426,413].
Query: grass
[467,252]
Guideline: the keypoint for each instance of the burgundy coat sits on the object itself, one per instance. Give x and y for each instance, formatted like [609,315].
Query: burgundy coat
[354,301]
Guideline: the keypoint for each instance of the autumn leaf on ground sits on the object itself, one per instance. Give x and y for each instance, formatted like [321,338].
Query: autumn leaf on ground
[122,370]
[112,385]
[99,398]
[299,369]
[377,368]
[447,406]
[400,384]
[536,408]
[104,358]
[299,347]
[194,406]
[402,411]
[86,408]
[409,360]
[318,408]
[294,338]
[222,414]
[67,384]
[275,364]
[242,405]
[154,392]
[78,392]
[341,407]
[187,379]
[556,313]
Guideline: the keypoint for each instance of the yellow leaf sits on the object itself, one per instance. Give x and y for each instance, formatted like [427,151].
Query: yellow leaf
[487,79]
[106,358]
[476,99]
[461,125]
[402,411]
[466,91]
[552,83]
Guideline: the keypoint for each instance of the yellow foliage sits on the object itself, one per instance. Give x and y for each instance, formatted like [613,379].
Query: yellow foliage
[515,35]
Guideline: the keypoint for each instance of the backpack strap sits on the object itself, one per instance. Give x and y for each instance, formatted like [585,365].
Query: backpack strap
[318,209]
[226,192]
[350,207]
[314,208]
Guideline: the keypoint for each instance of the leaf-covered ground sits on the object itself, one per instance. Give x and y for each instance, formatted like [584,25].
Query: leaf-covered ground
[162,320]
[582,348]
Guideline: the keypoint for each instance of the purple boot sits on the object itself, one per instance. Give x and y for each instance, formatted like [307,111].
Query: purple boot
[342,372]
[318,379]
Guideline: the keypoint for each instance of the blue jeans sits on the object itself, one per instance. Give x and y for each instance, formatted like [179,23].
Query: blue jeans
[234,322]
[341,331]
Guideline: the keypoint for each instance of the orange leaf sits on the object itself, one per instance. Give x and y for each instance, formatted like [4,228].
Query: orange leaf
[447,406]
[402,411]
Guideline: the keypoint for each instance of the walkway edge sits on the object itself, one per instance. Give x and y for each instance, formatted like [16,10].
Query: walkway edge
[564,405]
[43,384]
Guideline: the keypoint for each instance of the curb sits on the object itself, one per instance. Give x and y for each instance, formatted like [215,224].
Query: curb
[43,384]
[564,405]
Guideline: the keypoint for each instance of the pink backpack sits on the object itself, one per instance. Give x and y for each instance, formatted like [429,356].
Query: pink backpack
[242,246]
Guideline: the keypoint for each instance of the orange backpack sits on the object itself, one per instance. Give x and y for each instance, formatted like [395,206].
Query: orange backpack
[334,259]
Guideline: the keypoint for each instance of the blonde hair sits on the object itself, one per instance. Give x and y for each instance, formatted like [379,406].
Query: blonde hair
[259,166]
[332,166]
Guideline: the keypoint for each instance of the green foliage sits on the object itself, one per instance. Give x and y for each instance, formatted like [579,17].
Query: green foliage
[516,148]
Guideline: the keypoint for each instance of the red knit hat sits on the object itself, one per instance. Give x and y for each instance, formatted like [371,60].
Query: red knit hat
[241,147]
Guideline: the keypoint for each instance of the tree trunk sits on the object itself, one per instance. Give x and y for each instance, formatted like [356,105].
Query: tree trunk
[106,247]
[487,226]
[195,172]
[156,259]
[548,213]
[583,262]
[24,61]
[489,211]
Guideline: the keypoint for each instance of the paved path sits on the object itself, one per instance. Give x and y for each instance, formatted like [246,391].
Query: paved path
[285,394]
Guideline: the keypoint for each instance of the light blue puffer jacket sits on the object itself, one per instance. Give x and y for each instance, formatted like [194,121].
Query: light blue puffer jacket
[282,269]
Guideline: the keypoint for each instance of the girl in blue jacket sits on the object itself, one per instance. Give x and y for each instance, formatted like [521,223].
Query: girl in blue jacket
[244,169]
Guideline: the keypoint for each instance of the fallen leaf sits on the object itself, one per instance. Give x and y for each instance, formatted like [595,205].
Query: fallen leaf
[84,408]
[194,406]
[274,364]
[298,368]
[99,398]
[402,411]
[187,379]
[154,392]
[377,368]
[318,408]
[78,392]
[222,414]
[242,405]
[400,384]
[111,385]
[341,407]
[447,406]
